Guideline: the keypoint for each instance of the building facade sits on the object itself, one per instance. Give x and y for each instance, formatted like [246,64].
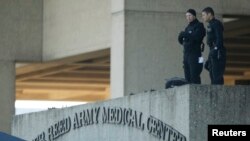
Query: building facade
[140,34]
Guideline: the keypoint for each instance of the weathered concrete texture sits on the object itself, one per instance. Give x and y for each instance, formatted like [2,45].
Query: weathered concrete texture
[7,94]
[21,30]
[233,7]
[72,28]
[170,107]
[217,105]
[171,5]
[151,49]
[220,7]
[187,109]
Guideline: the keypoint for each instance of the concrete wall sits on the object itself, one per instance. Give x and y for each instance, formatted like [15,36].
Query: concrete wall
[233,7]
[152,51]
[187,109]
[170,107]
[21,30]
[220,7]
[171,5]
[71,28]
[217,105]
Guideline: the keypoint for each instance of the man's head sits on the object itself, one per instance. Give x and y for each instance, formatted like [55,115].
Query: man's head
[207,14]
[190,15]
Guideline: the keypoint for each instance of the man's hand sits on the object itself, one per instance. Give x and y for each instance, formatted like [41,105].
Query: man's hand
[215,53]
[183,34]
[207,65]
[218,54]
[180,37]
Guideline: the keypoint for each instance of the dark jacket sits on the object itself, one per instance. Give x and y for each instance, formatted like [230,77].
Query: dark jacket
[215,34]
[192,37]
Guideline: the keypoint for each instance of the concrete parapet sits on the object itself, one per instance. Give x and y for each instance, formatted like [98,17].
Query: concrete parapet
[181,112]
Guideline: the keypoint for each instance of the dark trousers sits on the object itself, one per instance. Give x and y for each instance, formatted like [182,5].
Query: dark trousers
[217,66]
[192,68]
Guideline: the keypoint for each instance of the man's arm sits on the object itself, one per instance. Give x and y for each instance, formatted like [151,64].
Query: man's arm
[180,37]
[218,29]
[198,33]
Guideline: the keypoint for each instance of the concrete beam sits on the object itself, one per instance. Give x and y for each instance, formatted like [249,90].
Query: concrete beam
[21,30]
[72,28]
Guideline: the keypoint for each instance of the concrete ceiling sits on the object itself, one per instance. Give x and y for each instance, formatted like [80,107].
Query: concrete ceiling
[84,77]
[237,43]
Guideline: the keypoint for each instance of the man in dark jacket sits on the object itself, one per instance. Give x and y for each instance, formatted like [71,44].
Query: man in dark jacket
[191,39]
[217,56]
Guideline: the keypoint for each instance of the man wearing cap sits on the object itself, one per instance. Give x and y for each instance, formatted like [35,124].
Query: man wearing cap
[217,56]
[191,39]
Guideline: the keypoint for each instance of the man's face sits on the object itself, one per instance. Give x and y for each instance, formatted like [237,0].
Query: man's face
[190,17]
[206,16]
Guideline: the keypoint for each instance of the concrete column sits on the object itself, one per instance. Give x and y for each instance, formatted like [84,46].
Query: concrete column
[145,50]
[117,48]
[7,94]
[20,41]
